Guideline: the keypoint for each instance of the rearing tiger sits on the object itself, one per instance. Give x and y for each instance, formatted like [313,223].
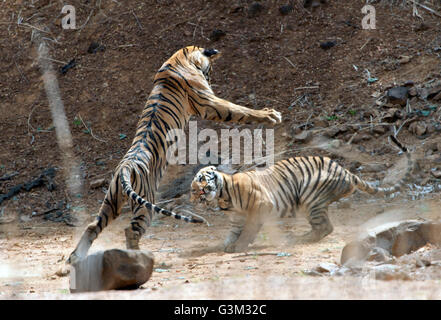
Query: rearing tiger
[309,183]
[181,89]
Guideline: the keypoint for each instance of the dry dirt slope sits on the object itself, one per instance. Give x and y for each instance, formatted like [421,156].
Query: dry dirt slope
[268,60]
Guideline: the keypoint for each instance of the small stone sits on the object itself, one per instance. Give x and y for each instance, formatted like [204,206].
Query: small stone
[436,174]
[423,93]
[97,183]
[312,3]
[437,97]
[434,92]
[217,34]
[255,9]
[303,137]
[332,132]
[436,263]
[418,128]
[312,273]
[344,271]
[95,47]
[327,45]
[421,263]
[326,267]
[335,144]
[412,92]
[62,271]
[361,137]
[321,123]
[422,27]
[392,115]
[286,9]
[404,59]
[430,128]
[398,95]
[378,254]
[379,129]
[390,272]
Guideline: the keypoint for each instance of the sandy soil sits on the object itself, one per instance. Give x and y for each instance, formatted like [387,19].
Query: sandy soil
[31,259]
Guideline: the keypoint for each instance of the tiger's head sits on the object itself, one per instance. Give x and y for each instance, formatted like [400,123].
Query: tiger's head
[199,58]
[206,185]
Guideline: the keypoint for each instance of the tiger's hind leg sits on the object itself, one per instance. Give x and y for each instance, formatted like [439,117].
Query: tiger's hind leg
[320,227]
[110,209]
[141,220]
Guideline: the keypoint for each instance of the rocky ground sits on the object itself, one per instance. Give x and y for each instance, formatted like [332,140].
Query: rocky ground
[342,90]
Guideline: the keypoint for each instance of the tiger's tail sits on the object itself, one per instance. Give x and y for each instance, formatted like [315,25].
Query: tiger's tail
[367,187]
[127,188]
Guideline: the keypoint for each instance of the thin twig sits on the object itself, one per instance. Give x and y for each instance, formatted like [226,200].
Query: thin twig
[24,77]
[29,122]
[87,20]
[301,88]
[165,201]
[257,254]
[368,40]
[352,138]
[289,61]
[137,20]
[396,132]
[57,61]
[90,130]
[33,27]
[426,8]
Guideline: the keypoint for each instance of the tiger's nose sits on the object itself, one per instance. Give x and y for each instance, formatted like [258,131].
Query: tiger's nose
[210,52]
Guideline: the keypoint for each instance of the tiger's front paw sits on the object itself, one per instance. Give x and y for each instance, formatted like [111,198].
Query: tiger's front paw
[236,247]
[230,248]
[271,116]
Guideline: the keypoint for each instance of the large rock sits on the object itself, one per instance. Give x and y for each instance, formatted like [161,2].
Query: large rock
[396,238]
[111,269]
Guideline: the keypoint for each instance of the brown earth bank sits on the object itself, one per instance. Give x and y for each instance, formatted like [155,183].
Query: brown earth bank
[337,95]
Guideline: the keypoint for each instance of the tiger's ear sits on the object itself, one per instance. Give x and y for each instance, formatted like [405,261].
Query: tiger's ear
[210,52]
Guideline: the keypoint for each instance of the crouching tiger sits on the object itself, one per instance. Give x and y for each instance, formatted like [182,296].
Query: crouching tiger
[181,89]
[308,183]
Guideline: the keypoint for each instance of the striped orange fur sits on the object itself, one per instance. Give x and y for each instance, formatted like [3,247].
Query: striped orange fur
[181,89]
[308,183]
